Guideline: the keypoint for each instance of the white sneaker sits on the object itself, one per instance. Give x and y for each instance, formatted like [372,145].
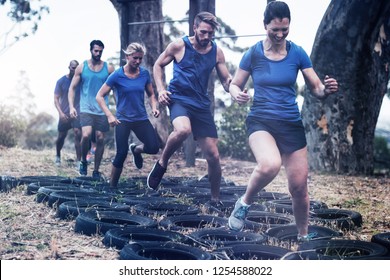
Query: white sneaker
[237,217]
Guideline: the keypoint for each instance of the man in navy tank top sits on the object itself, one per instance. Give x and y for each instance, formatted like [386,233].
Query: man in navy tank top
[194,58]
[91,75]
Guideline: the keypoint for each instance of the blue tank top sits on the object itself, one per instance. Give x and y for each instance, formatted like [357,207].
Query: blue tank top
[191,75]
[91,82]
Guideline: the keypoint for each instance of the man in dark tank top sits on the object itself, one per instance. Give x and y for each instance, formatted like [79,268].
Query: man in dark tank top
[193,59]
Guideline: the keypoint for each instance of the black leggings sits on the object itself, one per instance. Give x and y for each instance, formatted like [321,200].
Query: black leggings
[145,133]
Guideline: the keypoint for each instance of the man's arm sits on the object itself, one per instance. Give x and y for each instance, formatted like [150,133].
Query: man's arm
[72,90]
[173,51]
[222,71]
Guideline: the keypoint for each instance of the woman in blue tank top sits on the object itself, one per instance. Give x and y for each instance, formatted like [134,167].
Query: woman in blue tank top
[274,125]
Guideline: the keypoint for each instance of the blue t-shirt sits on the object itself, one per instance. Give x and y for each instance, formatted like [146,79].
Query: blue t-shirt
[91,82]
[274,81]
[61,90]
[191,75]
[130,94]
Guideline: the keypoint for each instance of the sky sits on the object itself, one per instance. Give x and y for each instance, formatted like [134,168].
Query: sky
[65,33]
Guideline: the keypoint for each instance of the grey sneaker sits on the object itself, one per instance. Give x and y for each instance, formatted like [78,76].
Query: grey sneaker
[155,176]
[83,168]
[58,161]
[237,217]
[308,237]
[137,157]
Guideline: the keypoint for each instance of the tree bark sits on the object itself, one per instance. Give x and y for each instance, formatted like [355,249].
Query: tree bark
[135,17]
[352,45]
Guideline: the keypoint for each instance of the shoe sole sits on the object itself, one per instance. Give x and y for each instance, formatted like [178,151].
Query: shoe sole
[132,152]
[147,180]
[233,229]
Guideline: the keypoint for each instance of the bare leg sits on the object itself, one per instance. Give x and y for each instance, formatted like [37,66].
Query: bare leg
[181,130]
[268,163]
[99,149]
[60,142]
[86,134]
[210,151]
[297,173]
[77,144]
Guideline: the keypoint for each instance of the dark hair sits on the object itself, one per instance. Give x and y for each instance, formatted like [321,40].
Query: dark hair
[207,18]
[95,42]
[276,9]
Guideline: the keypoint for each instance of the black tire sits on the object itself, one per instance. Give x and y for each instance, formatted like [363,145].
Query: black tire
[219,237]
[119,237]
[253,252]
[382,239]
[264,196]
[285,205]
[186,222]
[42,180]
[263,220]
[167,209]
[32,188]
[7,183]
[162,251]
[43,193]
[87,181]
[289,233]
[58,197]
[223,209]
[134,200]
[340,218]
[344,249]
[99,222]
[69,210]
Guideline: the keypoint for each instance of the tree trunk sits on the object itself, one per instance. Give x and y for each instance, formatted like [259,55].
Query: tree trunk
[197,6]
[352,45]
[135,17]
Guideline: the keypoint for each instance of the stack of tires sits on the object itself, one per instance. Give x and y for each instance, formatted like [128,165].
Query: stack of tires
[179,221]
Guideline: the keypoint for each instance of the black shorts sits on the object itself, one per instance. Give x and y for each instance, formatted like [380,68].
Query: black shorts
[66,125]
[98,122]
[289,136]
[202,122]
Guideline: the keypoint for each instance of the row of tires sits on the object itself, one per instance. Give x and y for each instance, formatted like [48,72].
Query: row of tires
[179,223]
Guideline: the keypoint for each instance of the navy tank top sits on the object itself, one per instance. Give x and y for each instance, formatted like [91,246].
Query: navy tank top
[191,75]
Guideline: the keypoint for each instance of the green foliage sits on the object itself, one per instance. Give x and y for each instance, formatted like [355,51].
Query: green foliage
[40,132]
[12,126]
[24,16]
[233,141]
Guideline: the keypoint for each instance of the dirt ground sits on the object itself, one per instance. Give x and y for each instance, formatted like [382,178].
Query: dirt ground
[31,230]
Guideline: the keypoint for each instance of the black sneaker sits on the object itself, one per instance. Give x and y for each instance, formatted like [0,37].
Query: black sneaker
[137,158]
[83,168]
[96,175]
[155,176]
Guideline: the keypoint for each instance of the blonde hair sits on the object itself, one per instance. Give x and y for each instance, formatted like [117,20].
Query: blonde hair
[134,47]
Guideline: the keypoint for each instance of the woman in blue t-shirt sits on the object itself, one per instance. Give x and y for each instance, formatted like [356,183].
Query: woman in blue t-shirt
[130,83]
[274,125]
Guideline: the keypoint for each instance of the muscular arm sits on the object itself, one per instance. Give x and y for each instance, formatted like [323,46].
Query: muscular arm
[222,71]
[58,107]
[152,99]
[175,50]
[72,90]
